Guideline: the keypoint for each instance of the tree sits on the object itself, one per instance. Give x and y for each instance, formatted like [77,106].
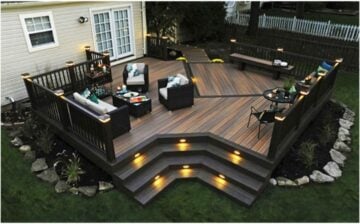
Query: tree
[300,9]
[254,19]
[161,18]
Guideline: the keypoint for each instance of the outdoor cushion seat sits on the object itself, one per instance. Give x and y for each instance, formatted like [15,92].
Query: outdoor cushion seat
[163,92]
[138,81]
[177,95]
[120,119]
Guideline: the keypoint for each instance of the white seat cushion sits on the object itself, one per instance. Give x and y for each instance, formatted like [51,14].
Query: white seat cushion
[79,98]
[183,79]
[108,106]
[100,109]
[136,80]
[163,92]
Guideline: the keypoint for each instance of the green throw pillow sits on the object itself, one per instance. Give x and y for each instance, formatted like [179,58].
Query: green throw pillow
[94,98]
[129,67]
[86,93]
[136,72]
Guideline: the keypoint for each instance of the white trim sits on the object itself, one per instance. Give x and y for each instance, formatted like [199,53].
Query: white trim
[111,10]
[123,60]
[27,34]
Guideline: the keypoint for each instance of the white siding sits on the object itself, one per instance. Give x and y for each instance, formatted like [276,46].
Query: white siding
[72,37]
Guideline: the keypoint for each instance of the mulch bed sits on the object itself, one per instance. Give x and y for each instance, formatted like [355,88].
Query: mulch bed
[291,166]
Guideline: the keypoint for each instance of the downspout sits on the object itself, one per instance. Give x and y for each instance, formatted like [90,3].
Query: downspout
[144,25]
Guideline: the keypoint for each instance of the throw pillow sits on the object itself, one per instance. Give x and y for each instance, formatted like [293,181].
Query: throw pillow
[171,78]
[94,98]
[321,70]
[129,67]
[326,66]
[136,72]
[174,83]
[86,93]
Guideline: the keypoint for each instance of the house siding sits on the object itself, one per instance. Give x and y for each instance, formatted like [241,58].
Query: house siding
[72,37]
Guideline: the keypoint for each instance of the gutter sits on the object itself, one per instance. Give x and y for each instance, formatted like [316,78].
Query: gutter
[144,25]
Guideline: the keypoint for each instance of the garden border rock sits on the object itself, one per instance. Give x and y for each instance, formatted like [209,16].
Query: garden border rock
[332,168]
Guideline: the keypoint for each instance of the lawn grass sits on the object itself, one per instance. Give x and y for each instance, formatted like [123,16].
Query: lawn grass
[27,199]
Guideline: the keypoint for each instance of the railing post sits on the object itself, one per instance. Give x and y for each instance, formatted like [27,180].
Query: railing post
[88,53]
[107,134]
[106,58]
[70,65]
[294,24]
[62,108]
[27,81]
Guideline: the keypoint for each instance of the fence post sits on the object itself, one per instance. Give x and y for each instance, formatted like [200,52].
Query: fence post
[27,81]
[71,69]
[294,24]
[88,53]
[62,108]
[107,131]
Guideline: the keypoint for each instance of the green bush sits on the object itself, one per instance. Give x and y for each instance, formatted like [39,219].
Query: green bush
[306,153]
[327,133]
[45,140]
[73,170]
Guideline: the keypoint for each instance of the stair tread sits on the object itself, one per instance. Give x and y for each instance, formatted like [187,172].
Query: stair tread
[233,191]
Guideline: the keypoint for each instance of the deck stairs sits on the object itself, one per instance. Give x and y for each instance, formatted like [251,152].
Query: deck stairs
[241,177]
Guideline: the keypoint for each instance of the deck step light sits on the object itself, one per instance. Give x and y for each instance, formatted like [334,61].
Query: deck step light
[186,166]
[157,177]
[137,155]
[236,152]
[222,176]
[183,140]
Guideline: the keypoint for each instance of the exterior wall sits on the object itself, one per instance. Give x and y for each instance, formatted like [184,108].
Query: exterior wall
[72,37]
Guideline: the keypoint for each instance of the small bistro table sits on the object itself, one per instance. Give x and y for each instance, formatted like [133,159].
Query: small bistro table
[136,109]
[277,95]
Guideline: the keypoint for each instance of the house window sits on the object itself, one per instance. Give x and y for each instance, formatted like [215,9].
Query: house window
[39,31]
[113,32]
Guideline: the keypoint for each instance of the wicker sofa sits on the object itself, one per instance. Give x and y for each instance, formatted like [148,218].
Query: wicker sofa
[120,119]
[175,97]
[140,82]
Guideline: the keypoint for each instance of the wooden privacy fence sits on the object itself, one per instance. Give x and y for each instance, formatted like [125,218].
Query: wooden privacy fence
[289,125]
[304,65]
[316,28]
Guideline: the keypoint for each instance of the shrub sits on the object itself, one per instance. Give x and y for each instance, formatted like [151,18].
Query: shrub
[45,140]
[327,133]
[73,170]
[29,128]
[306,153]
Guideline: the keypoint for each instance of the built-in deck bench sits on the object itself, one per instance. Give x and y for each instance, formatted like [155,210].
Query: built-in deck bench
[243,60]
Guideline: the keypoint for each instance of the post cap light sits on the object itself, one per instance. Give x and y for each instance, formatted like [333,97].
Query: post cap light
[182,140]
[339,60]
[236,152]
[87,48]
[165,37]
[157,177]
[148,34]
[25,76]
[137,155]
[280,49]
[106,53]
[233,40]
[185,166]
[280,118]
[59,92]
[222,176]
[69,63]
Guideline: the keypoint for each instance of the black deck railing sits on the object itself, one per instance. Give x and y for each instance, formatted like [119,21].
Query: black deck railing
[47,93]
[303,64]
[292,122]
[157,47]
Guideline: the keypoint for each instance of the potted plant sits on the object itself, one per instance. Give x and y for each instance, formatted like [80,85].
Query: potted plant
[288,84]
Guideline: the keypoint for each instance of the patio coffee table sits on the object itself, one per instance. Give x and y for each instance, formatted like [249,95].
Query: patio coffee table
[136,109]
[277,95]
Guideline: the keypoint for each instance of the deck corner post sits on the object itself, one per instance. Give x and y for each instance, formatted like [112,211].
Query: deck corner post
[108,140]
[272,152]
[62,108]
[71,69]
[27,81]
[88,53]
[106,58]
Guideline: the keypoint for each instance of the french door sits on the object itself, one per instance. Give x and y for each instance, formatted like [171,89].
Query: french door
[113,32]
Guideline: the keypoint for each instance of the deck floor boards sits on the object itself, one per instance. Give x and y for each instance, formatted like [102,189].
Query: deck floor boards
[226,117]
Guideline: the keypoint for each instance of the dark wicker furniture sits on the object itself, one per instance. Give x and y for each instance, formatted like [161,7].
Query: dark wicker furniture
[138,88]
[135,109]
[177,97]
[264,117]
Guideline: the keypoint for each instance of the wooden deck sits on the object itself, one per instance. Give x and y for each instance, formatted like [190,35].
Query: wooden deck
[225,117]
[213,79]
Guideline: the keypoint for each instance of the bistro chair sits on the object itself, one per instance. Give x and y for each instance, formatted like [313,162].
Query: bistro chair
[264,117]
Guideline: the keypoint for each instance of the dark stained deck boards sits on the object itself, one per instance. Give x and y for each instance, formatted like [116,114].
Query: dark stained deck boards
[226,117]
[214,79]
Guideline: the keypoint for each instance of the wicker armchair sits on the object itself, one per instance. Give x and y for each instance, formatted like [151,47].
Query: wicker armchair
[175,97]
[138,83]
